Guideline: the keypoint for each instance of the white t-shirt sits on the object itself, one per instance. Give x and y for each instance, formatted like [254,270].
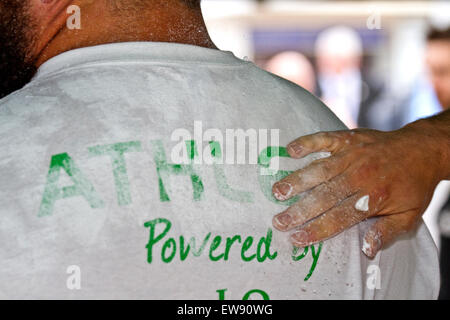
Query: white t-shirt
[92,205]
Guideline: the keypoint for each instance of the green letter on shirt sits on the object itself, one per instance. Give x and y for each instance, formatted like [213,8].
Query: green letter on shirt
[165,169]
[225,189]
[266,181]
[116,153]
[81,186]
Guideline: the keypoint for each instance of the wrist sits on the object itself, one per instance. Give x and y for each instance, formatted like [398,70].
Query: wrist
[432,137]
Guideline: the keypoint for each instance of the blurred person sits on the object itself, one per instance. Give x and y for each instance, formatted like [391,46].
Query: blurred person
[432,93]
[430,96]
[87,182]
[421,103]
[444,259]
[438,63]
[339,52]
[358,98]
[294,67]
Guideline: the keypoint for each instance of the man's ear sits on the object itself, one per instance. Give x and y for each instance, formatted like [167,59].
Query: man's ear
[52,6]
[48,17]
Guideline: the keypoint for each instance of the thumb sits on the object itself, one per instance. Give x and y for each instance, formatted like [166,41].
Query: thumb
[385,230]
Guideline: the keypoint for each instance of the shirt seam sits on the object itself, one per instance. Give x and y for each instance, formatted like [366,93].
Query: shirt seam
[45,76]
[156,62]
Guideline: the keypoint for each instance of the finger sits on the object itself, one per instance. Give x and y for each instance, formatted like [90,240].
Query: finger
[314,203]
[322,141]
[332,222]
[305,179]
[386,229]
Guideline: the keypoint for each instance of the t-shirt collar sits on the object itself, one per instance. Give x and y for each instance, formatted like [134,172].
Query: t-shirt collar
[136,52]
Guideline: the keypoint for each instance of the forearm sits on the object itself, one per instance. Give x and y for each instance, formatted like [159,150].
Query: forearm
[433,136]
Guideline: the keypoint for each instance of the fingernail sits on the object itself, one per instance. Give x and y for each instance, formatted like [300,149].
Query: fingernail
[282,190]
[367,248]
[371,247]
[295,149]
[301,238]
[283,220]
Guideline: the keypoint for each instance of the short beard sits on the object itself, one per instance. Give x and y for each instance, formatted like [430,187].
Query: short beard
[193,4]
[124,5]
[16,26]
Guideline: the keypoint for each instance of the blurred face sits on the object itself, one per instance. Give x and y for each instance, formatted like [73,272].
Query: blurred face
[438,61]
[15,26]
[294,67]
[331,64]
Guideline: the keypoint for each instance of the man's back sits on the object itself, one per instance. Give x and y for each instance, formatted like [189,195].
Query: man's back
[90,195]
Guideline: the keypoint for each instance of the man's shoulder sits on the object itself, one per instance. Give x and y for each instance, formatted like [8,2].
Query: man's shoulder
[17,97]
[22,108]
[299,100]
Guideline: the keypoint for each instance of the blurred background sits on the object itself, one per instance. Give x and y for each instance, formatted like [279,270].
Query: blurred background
[374,63]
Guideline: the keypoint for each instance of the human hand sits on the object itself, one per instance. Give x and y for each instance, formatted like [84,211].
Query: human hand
[391,175]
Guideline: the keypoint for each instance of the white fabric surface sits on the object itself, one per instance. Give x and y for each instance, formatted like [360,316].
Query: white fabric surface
[142,92]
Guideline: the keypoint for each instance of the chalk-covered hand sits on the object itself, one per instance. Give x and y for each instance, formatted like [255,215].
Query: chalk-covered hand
[391,175]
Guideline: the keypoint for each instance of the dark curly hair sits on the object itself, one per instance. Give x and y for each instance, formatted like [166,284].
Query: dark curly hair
[15,68]
[438,34]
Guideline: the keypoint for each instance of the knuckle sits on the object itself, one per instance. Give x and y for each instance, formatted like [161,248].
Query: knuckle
[322,134]
[328,189]
[322,168]
[380,194]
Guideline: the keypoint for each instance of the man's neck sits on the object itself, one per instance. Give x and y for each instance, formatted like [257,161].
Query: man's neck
[163,21]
